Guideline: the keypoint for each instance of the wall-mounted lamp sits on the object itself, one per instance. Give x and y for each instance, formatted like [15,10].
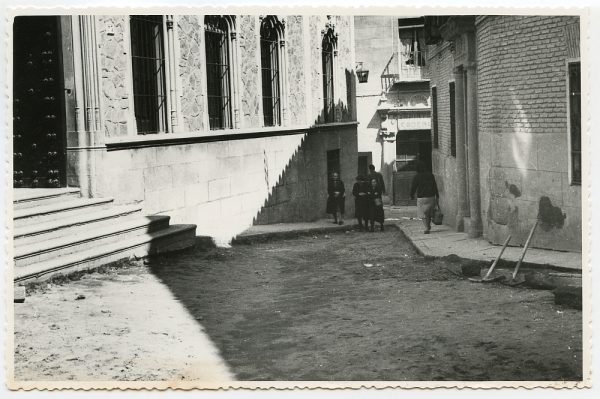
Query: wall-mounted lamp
[361,73]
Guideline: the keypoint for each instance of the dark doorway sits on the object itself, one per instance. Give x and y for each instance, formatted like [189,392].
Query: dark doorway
[411,147]
[38,103]
[364,160]
[333,162]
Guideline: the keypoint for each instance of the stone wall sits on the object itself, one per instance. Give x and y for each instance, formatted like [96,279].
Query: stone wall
[300,194]
[444,165]
[341,25]
[296,51]
[225,186]
[222,186]
[316,24]
[113,53]
[190,71]
[522,106]
[345,72]
[249,29]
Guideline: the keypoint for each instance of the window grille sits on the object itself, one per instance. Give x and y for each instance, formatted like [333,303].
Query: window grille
[414,54]
[451,89]
[218,72]
[148,64]
[269,57]
[575,120]
[328,100]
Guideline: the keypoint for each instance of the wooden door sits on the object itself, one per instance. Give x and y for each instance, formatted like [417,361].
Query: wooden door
[38,103]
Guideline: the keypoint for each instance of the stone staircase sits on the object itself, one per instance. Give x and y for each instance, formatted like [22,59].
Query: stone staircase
[57,232]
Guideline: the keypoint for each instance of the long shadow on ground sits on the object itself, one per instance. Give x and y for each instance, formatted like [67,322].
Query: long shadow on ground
[366,306]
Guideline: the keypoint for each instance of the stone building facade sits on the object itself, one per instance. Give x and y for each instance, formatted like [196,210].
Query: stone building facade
[508,126]
[222,179]
[394,104]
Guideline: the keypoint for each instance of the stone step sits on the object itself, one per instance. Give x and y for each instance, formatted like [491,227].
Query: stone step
[59,207]
[63,245]
[25,195]
[73,231]
[43,197]
[62,215]
[41,225]
[169,239]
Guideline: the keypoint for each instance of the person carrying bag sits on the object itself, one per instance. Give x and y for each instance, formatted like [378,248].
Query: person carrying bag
[425,187]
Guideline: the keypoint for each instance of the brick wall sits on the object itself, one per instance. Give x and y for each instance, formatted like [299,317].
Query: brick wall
[441,64]
[522,123]
[522,107]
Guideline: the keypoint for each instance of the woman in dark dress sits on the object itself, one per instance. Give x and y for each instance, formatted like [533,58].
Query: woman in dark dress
[375,205]
[360,190]
[336,198]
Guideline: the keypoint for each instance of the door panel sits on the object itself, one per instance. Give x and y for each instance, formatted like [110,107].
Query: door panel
[38,128]
[333,162]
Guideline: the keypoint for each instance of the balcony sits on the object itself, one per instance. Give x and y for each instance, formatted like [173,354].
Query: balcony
[405,66]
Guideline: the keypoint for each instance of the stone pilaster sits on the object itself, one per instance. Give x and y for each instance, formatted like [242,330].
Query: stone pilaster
[475,228]
[461,162]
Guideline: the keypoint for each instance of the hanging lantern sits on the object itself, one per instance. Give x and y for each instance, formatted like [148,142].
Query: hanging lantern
[361,73]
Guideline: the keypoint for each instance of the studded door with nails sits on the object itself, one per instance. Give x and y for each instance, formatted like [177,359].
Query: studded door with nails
[38,129]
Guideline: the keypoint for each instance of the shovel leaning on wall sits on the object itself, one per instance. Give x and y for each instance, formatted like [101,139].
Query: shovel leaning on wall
[486,278]
[514,275]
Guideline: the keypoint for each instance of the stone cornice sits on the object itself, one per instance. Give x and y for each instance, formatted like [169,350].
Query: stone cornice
[161,140]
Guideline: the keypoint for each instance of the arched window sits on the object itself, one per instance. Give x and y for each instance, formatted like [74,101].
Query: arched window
[218,71]
[328,49]
[271,35]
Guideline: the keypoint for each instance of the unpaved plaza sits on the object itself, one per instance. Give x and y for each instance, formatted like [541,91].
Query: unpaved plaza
[339,306]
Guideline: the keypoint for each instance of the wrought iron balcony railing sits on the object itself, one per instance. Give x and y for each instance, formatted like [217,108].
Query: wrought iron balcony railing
[405,66]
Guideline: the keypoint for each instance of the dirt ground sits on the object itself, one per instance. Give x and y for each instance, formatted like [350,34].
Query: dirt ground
[343,306]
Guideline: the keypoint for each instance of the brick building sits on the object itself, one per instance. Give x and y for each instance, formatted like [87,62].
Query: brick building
[220,121]
[507,126]
[394,111]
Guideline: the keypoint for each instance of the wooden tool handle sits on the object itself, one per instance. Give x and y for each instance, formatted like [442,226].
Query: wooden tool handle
[525,249]
[491,269]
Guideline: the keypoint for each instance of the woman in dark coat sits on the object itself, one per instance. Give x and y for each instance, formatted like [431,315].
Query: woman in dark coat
[360,190]
[425,187]
[336,198]
[375,205]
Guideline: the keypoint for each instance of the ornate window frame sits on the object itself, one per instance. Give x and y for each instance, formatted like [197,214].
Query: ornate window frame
[173,122]
[330,36]
[234,73]
[277,25]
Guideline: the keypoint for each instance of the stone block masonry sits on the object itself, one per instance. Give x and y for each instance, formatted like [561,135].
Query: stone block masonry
[301,190]
[204,183]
